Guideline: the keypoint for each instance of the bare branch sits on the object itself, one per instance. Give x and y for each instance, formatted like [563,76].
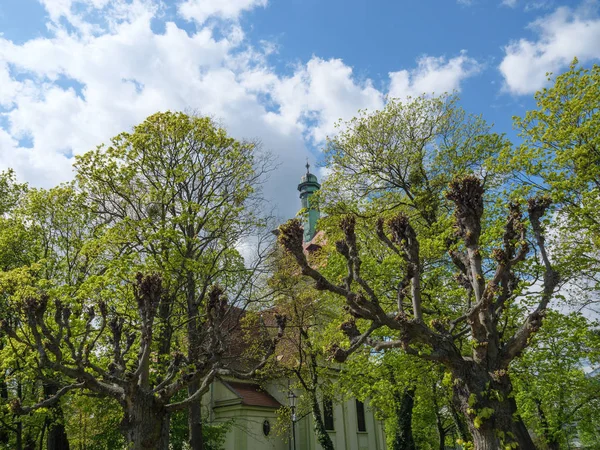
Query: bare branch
[517,343]
[51,401]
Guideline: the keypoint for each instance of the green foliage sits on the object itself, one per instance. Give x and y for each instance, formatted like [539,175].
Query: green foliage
[174,197]
[560,156]
[213,434]
[556,396]
[92,423]
[406,154]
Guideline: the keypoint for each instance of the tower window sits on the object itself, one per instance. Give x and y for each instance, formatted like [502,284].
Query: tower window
[360,416]
[328,414]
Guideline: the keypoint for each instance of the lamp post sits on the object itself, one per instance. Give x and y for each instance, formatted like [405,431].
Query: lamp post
[292,401]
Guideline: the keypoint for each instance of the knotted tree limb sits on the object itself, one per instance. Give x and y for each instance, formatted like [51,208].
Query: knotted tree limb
[490,296]
[126,378]
[365,305]
[518,342]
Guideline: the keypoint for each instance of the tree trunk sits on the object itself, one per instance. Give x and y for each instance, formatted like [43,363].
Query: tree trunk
[441,430]
[165,433]
[57,436]
[194,410]
[405,402]
[165,335]
[144,423]
[195,419]
[19,424]
[29,441]
[490,409]
[458,418]
[19,435]
[322,434]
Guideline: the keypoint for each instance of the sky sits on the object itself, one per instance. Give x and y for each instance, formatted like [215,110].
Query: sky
[74,73]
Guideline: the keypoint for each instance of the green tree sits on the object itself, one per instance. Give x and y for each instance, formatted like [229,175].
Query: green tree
[408,393]
[22,242]
[303,358]
[559,157]
[558,400]
[468,322]
[172,198]
[180,194]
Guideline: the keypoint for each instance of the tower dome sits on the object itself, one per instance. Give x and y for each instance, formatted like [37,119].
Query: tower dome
[309,184]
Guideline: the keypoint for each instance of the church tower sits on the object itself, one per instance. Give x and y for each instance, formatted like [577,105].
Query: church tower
[307,187]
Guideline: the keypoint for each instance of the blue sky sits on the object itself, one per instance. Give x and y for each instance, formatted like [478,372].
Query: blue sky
[73,73]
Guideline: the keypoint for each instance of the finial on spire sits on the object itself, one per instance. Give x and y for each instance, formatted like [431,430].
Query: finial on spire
[307,166]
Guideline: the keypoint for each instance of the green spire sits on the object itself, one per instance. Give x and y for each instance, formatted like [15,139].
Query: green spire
[307,187]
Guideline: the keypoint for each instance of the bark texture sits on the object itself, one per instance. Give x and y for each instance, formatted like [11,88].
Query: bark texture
[143,423]
[486,400]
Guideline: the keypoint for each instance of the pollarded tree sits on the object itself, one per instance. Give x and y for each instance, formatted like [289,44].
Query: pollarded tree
[480,377]
[108,352]
[401,159]
[178,194]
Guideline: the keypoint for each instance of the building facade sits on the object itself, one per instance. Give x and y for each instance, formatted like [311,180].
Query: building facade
[254,411]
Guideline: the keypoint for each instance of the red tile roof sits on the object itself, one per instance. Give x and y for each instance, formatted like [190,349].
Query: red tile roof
[252,394]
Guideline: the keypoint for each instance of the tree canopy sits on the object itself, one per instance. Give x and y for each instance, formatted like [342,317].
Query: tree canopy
[452,287]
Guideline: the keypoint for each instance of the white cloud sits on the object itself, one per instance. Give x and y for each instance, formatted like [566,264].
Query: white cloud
[66,93]
[529,5]
[201,10]
[433,75]
[562,35]
[322,92]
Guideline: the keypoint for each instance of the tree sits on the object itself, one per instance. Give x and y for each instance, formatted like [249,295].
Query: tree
[303,358]
[403,154]
[481,380]
[100,355]
[408,393]
[558,400]
[559,157]
[173,199]
[178,195]
[388,380]
[20,247]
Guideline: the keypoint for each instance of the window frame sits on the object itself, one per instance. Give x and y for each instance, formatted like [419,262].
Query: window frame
[361,418]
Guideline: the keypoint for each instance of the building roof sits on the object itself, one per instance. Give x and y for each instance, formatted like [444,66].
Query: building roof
[252,394]
[308,179]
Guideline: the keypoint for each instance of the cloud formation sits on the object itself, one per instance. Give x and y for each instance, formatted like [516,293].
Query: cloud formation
[102,68]
[433,75]
[201,10]
[562,35]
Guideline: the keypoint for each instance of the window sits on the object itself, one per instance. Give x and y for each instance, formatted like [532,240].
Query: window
[360,416]
[328,413]
[266,427]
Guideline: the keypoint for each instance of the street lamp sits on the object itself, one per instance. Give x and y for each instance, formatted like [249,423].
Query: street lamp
[292,402]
